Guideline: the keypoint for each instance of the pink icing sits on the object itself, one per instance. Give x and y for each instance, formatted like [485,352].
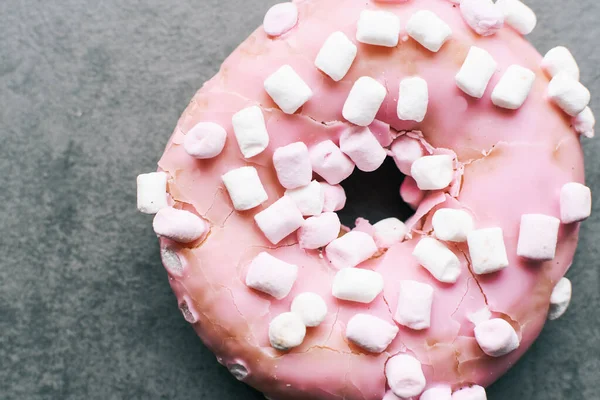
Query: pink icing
[509,162]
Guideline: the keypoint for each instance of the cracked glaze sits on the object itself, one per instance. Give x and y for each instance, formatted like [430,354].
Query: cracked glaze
[514,162]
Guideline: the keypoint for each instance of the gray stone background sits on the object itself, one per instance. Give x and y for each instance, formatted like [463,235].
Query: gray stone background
[90,90]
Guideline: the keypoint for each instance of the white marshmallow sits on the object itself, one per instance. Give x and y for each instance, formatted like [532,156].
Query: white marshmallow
[336,56]
[560,59]
[404,376]
[310,307]
[480,316]
[363,148]
[330,163]
[319,231]
[487,250]
[250,131]
[560,299]
[568,94]
[433,172]
[496,337]
[364,100]
[279,220]
[513,88]
[335,197]
[287,89]
[476,72]
[406,151]
[292,164]
[358,285]
[272,276]
[518,15]
[179,225]
[437,393]
[309,199]
[452,225]
[380,28]
[388,232]
[575,202]
[245,188]
[428,29]
[371,333]
[483,16]
[538,237]
[585,122]
[470,393]
[286,331]
[413,99]
[436,258]
[351,249]
[151,192]
[205,140]
[414,305]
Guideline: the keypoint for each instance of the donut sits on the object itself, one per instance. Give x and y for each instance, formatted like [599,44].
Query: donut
[486,132]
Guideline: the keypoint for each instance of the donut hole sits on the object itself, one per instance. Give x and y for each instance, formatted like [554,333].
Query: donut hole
[374,195]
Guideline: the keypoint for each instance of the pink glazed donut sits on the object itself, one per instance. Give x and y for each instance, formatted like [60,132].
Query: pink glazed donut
[487,132]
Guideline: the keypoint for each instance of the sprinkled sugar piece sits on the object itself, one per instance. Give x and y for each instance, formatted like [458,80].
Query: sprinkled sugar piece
[568,93]
[179,225]
[371,333]
[483,16]
[538,237]
[380,28]
[336,56]
[513,88]
[560,299]
[272,276]
[437,393]
[575,202]
[287,89]
[364,101]
[585,122]
[358,285]
[487,250]
[414,305]
[404,376]
[413,99]
[470,393]
[560,59]
[151,192]
[388,232]
[476,72]
[205,140]
[279,220]
[518,15]
[440,261]
[330,163]
[319,231]
[309,199]
[351,249]
[496,337]
[280,19]
[363,148]
[250,131]
[292,164]
[286,331]
[245,188]
[433,172]
[310,307]
[428,29]
[452,225]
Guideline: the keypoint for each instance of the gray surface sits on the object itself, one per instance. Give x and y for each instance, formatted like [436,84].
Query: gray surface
[89,93]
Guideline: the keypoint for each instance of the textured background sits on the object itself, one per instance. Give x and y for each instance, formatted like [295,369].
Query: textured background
[90,90]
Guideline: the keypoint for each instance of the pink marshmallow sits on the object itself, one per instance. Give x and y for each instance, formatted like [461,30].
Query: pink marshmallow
[351,249]
[410,192]
[279,220]
[179,225]
[485,17]
[575,202]
[330,163]
[538,236]
[272,276]
[319,231]
[405,151]
[292,164]
[371,333]
[335,197]
[496,337]
[470,393]
[280,18]
[205,140]
[363,148]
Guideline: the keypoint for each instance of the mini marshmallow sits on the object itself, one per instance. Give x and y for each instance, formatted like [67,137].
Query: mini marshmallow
[413,99]
[518,15]
[245,188]
[404,376]
[336,56]
[179,225]
[513,88]
[470,393]
[560,299]
[286,331]
[437,393]
[487,250]
[379,28]
[585,122]
[279,220]
[410,193]
[370,333]
[310,307]
[480,316]
[280,19]
[319,231]
[292,164]
[483,16]
[388,232]
[335,197]
[309,199]
[428,29]
[358,285]
[575,202]
[250,131]
[272,276]
[330,163]
[436,258]
[433,172]
[351,249]
[414,305]
[363,148]
[538,237]
[476,72]
[205,140]
[560,59]
[151,192]
[364,100]
[287,89]
[452,225]
[568,94]
[496,337]
[405,151]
